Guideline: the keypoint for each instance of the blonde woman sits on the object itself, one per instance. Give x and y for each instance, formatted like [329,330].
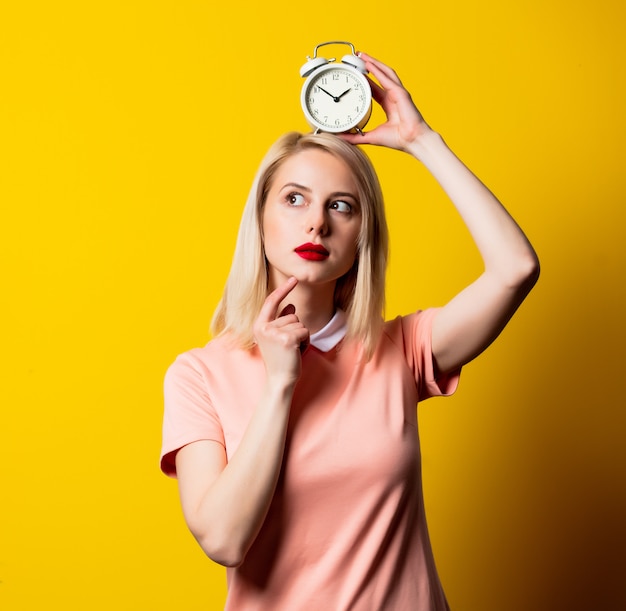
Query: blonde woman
[293,433]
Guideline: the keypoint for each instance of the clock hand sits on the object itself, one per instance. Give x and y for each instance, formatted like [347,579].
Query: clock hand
[330,94]
[344,93]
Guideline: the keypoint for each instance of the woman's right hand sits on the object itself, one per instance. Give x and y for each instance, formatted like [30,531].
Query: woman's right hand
[280,337]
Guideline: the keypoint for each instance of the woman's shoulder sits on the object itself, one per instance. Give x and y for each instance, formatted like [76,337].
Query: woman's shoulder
[403,323]
[219,352]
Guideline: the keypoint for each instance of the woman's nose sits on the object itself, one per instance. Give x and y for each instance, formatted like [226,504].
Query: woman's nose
[316,221]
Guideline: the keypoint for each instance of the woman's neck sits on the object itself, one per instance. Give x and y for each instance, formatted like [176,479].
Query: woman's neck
[314,305]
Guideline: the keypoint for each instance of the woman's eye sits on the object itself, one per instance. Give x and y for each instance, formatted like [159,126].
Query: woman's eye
[295,199]
[341,206]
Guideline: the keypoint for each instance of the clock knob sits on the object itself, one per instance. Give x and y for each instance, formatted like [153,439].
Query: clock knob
[313,64]
[355,62]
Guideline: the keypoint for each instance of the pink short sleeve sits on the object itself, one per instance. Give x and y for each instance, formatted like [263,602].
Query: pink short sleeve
[189,414]
[417,336]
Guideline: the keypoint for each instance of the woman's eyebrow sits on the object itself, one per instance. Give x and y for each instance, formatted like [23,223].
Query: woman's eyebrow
[295,185]
[344,194]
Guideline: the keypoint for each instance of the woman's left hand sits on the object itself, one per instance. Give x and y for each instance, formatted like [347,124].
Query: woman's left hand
[404,125]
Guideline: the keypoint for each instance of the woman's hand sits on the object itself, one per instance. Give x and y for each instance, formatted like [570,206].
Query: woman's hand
[281,336]
[404,125]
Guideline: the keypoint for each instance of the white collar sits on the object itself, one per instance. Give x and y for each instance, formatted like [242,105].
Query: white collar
[330,335]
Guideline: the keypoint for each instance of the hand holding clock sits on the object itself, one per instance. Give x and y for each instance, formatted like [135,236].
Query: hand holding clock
[404,124]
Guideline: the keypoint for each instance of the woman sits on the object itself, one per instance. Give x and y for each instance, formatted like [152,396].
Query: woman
[293,433]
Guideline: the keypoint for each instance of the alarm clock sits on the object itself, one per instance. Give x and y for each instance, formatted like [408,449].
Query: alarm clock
[336,97]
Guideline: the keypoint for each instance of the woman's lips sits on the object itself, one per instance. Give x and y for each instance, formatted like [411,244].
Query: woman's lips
[312,252]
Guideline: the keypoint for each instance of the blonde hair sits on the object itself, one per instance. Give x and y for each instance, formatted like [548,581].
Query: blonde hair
[360,292]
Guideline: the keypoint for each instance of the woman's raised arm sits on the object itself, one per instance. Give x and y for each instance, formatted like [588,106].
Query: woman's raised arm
[474,317]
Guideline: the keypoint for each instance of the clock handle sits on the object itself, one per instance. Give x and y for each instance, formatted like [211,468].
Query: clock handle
[315,62]
[334,42]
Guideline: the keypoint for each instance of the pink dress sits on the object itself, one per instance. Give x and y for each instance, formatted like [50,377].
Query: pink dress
[346,528]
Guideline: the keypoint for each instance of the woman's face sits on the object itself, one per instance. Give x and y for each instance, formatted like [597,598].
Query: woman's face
[311,219]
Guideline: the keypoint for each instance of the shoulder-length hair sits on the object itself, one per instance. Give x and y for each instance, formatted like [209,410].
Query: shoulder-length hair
[360,292]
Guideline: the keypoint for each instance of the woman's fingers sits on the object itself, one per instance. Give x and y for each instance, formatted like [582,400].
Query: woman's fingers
[386,75]
[378,93]
[279,334]
[404,122]
[273,300]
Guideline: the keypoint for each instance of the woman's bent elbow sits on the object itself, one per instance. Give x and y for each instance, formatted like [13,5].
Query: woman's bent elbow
[225,553]
[530,271]
[524,275]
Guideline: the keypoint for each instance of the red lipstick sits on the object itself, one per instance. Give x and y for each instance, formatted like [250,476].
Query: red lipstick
[312,252]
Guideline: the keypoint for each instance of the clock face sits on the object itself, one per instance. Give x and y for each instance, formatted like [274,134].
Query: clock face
[337,99]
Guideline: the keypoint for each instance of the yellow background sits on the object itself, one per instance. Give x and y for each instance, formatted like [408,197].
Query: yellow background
[129,134]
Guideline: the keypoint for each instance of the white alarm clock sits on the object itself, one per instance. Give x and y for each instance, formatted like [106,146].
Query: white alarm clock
[336,97]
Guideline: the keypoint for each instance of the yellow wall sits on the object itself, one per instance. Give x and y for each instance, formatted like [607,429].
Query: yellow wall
[129,133]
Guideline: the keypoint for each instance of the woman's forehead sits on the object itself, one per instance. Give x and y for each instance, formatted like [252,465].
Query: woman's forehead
[315,167]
